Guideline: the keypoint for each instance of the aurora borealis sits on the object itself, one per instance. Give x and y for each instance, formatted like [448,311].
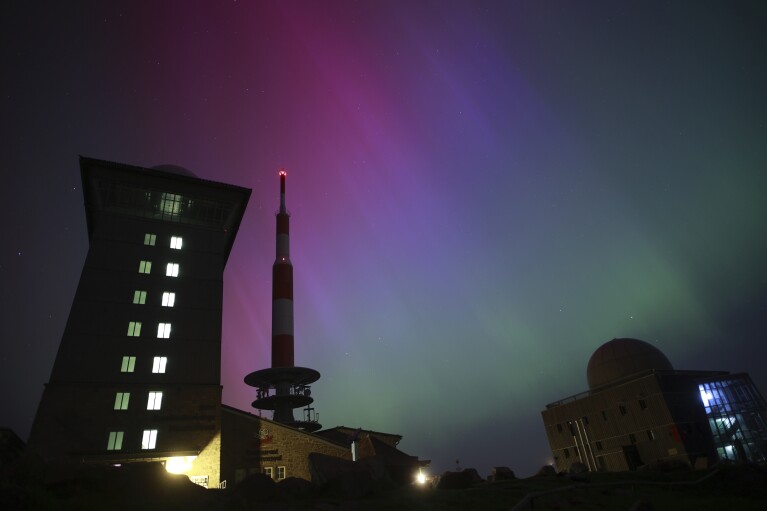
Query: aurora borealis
[481,193]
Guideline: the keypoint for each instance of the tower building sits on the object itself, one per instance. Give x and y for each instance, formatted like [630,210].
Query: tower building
[137,373]
[284,387]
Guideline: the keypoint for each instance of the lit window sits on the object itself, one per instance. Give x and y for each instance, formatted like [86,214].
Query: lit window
[280,473]
[175,242]
[149,239]
[145,267]
[129,363]
[149,439]
[171,270]
[139,297]
[155,401]
[269,471]
[163,331]
[168,299]
[170,203]
[115,441]
[158,365]
[121,400]
[650,435]
[134,329]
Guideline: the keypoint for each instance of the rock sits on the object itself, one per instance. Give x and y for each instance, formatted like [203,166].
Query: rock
[255,488]
[580,477]
[349,485]
[641,505]
[456,480]
[296,487]
[701,463]
[546,470]
[503,474]
[475,477]
[670,466]
[338,477]
[323,468]
[578,468]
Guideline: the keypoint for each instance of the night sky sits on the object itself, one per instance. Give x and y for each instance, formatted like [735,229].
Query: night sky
[481,192]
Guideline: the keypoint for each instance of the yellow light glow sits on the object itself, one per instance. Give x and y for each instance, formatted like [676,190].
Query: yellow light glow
[179,464]
[420,478]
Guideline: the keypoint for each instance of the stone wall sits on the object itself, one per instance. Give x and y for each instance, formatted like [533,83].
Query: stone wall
[251,444]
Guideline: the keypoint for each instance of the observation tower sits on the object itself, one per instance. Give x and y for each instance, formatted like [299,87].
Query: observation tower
[284,387]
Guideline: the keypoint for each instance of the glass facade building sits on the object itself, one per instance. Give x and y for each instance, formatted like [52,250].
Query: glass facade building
[737,414]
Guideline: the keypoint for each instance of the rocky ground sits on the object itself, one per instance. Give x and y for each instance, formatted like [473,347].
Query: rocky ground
[32,486]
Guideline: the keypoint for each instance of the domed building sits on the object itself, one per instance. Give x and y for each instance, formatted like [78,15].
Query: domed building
[639,410]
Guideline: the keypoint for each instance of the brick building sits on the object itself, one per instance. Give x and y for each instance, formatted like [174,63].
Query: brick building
[640,411]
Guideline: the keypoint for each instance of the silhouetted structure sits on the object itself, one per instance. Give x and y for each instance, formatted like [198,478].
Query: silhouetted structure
[137,374]
[640,411]
[284,386]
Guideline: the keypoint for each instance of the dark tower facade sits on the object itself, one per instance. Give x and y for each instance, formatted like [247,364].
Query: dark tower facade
[137,374]
[284,387]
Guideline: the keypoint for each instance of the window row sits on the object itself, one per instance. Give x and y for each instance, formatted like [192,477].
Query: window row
[154,400]
[175,241]
[621,409]
[168,298]
[171,270]
[129,364]
[163,329]
[148,440]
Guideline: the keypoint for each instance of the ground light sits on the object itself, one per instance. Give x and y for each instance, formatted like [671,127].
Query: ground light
[179,464]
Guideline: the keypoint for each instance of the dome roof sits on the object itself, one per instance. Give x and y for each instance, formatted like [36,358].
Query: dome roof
[619,358]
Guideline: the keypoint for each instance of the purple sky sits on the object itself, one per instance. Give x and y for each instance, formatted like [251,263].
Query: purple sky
[482,193]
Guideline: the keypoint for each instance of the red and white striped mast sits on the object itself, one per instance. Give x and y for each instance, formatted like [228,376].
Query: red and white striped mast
[282,289]
[284,387]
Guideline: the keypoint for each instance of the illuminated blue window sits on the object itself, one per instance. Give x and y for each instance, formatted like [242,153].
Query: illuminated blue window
[736,417]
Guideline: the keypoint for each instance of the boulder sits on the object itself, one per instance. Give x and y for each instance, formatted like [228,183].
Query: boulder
[339,477]
[349,485]
[578,468]
[642,505]
[580,477]
[323,468]
[255,488]
[456,480]
[296,487]
[546,470]
[579,472]
[503,474]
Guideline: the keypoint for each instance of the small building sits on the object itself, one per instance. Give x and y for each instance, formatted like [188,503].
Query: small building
[255,445]
[639,411]
[378,451]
